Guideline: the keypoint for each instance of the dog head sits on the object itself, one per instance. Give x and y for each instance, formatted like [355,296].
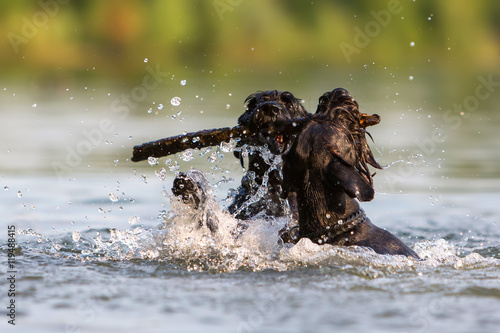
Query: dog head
[351,153]
[266,110]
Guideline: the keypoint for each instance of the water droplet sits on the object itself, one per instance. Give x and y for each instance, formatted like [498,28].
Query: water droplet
[227,147]
[113,197]
[412,44]
[160,107]
[19,194]
[328,216]
[5,188]
[212,158]
[175,101]
[187,155]
[183,82]
[152,160]
[228,106]
[130,137]
[34,105]
[161,173]
[410,78]
[76,235]
[134,220]
[145,59]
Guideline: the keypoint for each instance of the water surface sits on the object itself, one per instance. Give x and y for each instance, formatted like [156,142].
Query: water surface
[98,250]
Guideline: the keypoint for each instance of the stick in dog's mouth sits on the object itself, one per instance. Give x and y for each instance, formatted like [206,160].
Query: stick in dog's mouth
[368,120]
[214,137]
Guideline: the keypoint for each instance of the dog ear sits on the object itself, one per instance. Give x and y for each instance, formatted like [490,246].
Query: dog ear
[340,173]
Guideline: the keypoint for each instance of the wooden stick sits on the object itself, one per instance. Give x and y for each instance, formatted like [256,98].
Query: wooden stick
[214,137]
[176,144]
[368,120]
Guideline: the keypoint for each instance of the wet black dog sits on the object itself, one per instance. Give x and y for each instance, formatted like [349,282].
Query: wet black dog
[325,169]
[260,192]
[266,107]
[327,166]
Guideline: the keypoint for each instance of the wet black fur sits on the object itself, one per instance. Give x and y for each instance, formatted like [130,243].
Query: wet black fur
[264,108]
[327,167]
[325,170]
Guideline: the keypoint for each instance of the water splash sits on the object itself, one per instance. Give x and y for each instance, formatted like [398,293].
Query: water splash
[175,101]
[181,240]
[76,235]
[113,197]
[274,162]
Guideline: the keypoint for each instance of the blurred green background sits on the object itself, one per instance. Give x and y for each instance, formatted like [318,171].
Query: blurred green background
[67,64]
[66,39]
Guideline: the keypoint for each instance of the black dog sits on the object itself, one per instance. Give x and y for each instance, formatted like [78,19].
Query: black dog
[326,166]
[266,107]
[263,174]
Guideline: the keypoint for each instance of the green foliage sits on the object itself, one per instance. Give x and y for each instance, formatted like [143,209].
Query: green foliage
[112,38]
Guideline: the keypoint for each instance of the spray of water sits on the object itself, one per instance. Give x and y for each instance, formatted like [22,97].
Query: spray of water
[181,240]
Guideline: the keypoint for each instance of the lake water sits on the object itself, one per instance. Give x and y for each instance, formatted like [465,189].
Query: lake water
[93,254]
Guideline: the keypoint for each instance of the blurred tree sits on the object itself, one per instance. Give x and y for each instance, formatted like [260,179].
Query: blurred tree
[114,37]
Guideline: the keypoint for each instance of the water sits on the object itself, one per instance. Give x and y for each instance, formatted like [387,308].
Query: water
[100,250]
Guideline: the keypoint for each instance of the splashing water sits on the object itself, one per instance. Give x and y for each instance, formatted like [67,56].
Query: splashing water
[183,241]
[175,101]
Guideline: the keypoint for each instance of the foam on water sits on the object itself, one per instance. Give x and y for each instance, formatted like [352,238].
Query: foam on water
[180,242]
